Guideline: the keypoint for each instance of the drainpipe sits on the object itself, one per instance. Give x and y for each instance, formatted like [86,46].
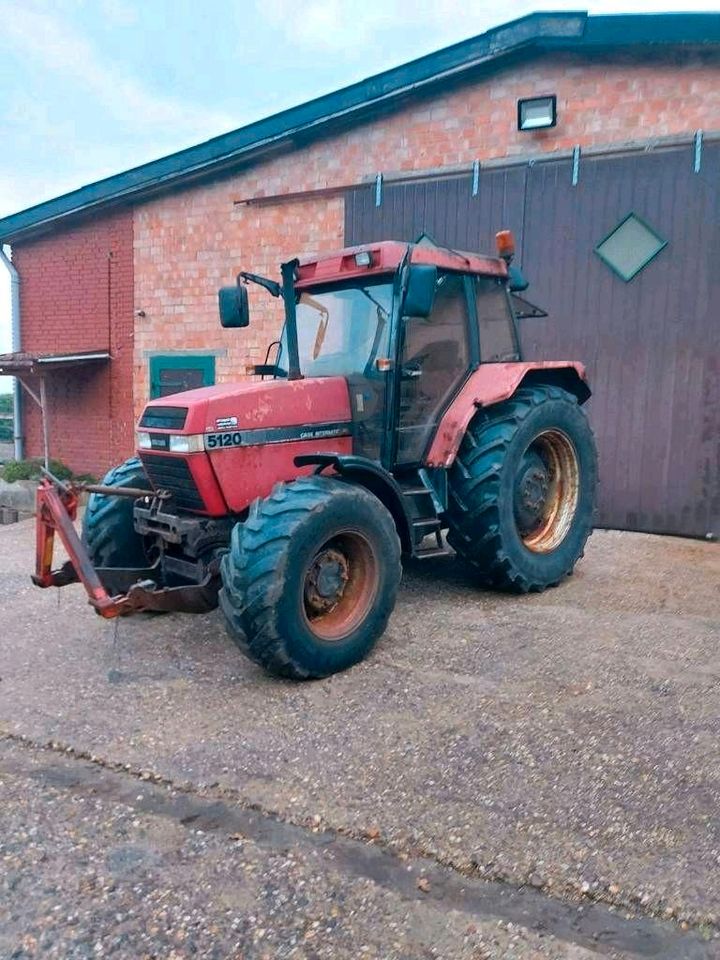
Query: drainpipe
[15,328]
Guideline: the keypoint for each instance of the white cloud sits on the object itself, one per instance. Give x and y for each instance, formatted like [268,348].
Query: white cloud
[348,28]
[20,192]
[118,12]
[33,31]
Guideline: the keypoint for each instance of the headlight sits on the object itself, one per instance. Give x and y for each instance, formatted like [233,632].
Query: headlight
[143,440]
[189,443]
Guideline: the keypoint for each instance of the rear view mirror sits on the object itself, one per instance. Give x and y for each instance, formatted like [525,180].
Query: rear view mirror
[233,305]
[420,294]
[516,280]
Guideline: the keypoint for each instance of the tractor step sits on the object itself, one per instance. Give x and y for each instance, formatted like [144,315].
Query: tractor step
[421,527]
[423,513]
[438,549]
[426,524]
[426,552]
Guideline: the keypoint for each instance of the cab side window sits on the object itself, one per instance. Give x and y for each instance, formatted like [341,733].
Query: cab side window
[495,322]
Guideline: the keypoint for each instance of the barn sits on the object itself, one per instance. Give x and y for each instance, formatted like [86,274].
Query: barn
[596,139]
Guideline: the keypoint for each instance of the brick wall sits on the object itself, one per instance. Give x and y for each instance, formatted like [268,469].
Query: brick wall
[77,296]
[190,242]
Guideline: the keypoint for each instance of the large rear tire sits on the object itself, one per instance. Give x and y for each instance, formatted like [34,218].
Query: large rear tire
[522,490]
[107,528]
[311,577]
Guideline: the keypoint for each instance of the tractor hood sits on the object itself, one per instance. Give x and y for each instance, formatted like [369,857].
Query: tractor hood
[248,406]
[218,448]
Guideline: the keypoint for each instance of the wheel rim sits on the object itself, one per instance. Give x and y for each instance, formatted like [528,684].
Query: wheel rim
[339,585]
[547,489]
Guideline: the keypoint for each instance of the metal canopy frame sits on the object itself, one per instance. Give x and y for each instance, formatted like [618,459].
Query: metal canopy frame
[28,368]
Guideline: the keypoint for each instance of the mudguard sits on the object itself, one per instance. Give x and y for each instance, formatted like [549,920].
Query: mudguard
[492,383]
[374,478]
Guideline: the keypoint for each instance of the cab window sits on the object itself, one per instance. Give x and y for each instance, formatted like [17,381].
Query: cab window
[495,322]
[342,331]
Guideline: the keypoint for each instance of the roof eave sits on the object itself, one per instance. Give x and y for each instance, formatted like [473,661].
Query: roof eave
[256,139]
[535,32]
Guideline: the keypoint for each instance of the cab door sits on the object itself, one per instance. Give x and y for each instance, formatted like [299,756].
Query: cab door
[435,358]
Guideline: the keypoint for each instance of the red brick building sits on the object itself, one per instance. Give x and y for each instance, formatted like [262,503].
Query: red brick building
[130,266]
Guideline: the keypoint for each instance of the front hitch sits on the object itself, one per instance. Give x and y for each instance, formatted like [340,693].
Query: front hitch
[57,505]
[56,512]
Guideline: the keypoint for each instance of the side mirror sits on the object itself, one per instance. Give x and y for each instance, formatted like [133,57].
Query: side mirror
[516,280]
[420,293]
[233,305]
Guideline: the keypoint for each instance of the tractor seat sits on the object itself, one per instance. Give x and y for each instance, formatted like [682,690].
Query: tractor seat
[440,363]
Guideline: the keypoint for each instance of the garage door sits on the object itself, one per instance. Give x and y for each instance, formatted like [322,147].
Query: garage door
[625,259]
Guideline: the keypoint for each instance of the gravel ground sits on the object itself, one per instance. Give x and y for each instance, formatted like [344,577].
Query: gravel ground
[119,867]
[565,744]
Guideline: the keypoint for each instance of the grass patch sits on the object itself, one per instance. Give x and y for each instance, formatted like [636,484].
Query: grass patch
[30,470]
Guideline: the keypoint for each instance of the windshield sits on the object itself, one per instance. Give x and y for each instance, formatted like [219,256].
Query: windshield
[341,331]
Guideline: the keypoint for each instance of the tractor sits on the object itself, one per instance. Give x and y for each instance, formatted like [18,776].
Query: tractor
[395,414]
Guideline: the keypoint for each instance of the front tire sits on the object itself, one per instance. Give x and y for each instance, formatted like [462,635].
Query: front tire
[311,577]
[522,490]
[107,528]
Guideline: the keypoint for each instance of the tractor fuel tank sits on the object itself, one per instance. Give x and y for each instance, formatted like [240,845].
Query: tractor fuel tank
[218,448]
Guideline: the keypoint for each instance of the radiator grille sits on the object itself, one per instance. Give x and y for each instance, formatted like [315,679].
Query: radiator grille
[173,474]
[164,418]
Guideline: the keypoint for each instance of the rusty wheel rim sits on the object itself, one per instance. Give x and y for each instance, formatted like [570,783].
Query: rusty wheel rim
[340,585]
[547,491]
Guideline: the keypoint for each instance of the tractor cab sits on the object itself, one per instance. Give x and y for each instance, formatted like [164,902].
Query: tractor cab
[404,325]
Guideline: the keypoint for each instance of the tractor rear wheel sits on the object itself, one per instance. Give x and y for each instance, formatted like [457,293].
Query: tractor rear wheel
[311,577]
[107,528]
[522,490]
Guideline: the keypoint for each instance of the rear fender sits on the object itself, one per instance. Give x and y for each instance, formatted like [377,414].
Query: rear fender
[492,383]
[366,473]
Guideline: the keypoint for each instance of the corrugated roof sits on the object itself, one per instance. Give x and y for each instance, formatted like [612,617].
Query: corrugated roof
[538,31]
[23,362]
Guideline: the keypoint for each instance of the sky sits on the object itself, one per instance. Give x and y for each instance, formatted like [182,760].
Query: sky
[92,87]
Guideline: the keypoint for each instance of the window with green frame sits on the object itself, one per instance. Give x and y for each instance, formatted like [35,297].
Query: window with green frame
[179,371]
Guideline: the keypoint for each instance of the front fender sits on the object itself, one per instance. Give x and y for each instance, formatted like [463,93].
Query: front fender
[369,474]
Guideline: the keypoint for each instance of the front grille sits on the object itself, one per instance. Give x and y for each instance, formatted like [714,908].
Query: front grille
[164,418]
[173,474]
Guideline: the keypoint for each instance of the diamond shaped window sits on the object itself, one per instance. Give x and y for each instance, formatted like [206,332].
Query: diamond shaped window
[630,247]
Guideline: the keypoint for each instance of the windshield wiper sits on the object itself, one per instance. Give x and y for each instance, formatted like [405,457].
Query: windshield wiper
[373,300]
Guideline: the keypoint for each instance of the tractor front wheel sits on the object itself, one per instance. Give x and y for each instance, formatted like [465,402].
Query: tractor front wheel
[522,490]
[107,528]
[311,577]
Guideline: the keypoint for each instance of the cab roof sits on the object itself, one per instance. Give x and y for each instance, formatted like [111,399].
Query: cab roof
[386,256]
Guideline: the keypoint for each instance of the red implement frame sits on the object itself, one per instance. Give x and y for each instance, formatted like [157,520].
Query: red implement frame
[56,511]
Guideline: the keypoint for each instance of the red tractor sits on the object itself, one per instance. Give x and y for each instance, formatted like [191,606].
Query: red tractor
[395,406]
